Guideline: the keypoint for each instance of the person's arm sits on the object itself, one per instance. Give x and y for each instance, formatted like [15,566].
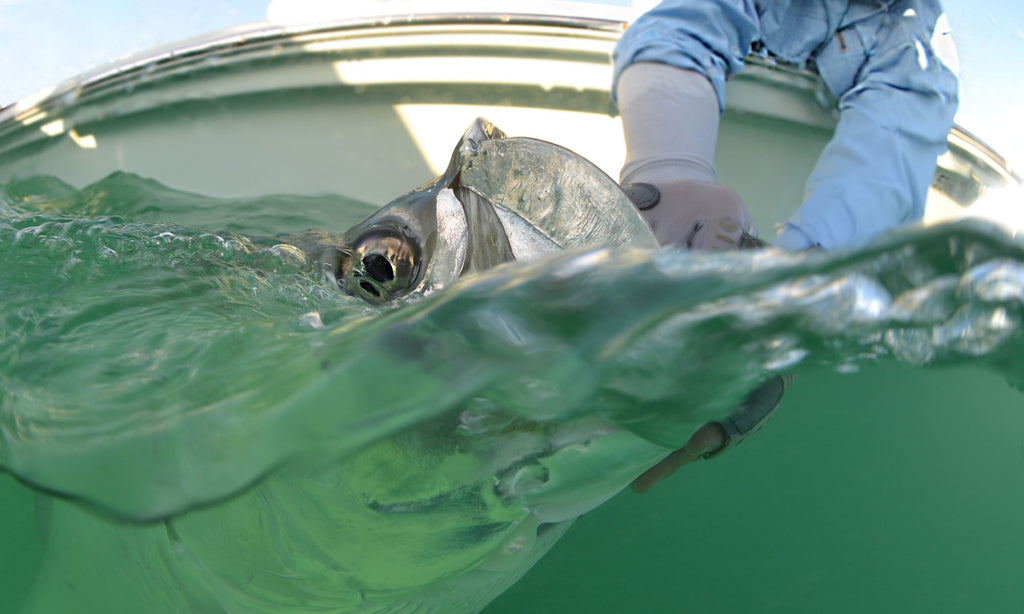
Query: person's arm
[671,68]
[896,108]
[710,37]
[670,73]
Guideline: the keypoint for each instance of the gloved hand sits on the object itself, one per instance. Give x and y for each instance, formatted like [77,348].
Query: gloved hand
[694,214]
[670,122]
[700,215]
[708,439]
[716,437]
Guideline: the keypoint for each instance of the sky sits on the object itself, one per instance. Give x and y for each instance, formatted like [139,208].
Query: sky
[43,42]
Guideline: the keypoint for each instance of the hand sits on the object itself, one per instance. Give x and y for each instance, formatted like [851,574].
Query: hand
[716,437]
[708,439]
[700,215]
[694,214]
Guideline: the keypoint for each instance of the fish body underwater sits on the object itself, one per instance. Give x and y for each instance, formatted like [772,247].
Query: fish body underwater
[201,422]
[440,517]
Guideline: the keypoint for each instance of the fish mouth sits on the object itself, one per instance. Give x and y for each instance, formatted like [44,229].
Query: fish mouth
[382,264]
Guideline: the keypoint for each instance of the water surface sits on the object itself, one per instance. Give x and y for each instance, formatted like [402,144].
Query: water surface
[184,374]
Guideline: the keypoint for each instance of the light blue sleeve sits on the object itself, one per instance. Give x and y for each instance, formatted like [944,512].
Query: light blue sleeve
[896,99]
[896,106]
[707,36]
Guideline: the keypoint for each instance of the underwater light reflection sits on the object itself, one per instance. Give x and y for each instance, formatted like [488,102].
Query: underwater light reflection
[30,103]
[422,38]
[58,127]
[54,128]
[86,141]
[31,116]
[457,69]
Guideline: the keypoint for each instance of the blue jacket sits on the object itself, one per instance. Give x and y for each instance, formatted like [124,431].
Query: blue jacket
[896,98]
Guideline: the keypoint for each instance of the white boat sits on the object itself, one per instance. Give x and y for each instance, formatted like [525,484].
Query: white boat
[367,107]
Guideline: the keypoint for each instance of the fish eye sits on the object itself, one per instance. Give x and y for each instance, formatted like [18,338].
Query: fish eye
[381,265]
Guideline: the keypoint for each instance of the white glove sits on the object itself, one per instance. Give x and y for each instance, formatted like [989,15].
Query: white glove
[694,214]
[670,122]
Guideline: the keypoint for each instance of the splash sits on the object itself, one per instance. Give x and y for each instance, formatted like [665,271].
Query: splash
[279,445]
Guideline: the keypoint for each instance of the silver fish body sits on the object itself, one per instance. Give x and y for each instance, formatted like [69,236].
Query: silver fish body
[500,199]
[441,515]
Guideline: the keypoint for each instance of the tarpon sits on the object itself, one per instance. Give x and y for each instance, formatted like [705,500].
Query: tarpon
[500,199]
[439,518]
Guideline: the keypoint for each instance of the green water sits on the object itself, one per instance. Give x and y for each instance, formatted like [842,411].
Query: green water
[892,490]
[225,431]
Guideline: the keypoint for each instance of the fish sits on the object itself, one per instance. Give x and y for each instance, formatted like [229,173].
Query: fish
[447,509]
[500,200]
[507,350]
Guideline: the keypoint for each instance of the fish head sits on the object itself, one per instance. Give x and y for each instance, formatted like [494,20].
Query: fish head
[384,256]
[425,239]
[500,199]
